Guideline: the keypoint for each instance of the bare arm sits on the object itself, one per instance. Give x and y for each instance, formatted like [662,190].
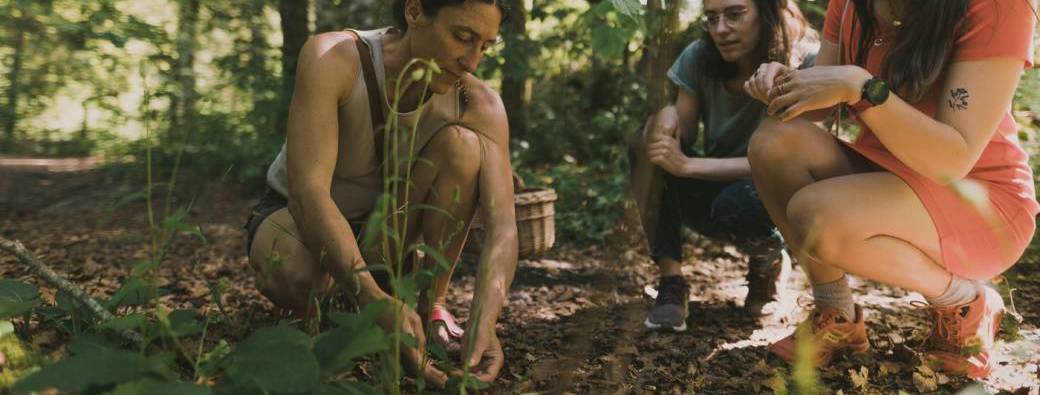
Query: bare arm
[487,117]
[664,150]
[498,259]
[828,56]
[326,62]
[943,148]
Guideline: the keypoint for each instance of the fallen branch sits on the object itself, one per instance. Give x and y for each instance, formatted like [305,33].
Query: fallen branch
[99,312]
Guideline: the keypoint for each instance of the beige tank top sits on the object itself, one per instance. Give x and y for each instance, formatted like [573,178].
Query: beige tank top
[358,178]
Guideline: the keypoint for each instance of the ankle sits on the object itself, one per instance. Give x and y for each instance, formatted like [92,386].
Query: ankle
[836,294]
[669,267]
[958,292]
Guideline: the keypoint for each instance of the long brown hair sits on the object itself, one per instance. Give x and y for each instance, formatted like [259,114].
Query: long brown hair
[921,49]
[782,27]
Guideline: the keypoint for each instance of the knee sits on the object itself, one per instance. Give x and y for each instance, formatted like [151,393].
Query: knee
[771,143]
[820,227]
[738,207]
[459,148]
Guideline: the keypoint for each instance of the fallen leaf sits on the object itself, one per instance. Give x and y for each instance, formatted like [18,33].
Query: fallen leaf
[925,384]
[859,379]
[888,367]
[896,338]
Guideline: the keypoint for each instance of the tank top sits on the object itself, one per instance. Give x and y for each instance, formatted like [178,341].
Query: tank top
[357,180]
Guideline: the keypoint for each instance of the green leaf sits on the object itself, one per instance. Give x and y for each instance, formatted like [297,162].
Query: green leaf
[143,267]
[376,223]
[6,328]
[124,323]
[184,323]
[17,298]
[79,373]
[404,289]
[442,262]
[274,359]
[367,317]
[347,388]
[210,360]
[337,349]
[629,8]
[608,42]
[153,387]
[264,337]
[176,222]
[134,292]
[90,342]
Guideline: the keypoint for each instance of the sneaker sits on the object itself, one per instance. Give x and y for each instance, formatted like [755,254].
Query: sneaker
[833,332]
[762,275]
[670,307]
[962,336]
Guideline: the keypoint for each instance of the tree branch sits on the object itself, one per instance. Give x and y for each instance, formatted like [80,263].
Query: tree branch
[99,312]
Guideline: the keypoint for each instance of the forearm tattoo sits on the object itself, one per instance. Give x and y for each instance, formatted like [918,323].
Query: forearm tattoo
[958,99]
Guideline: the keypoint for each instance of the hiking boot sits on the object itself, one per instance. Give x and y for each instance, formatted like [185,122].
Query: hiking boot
[763,273]
[833,333]
[962,336]
[670,307]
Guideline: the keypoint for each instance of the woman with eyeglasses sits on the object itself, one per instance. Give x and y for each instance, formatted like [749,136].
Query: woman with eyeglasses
[711,191]
[935,195]
[306,233]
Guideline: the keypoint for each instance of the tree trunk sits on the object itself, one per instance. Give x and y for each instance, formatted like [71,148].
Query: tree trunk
[259,77]
[295,31]
[663,23]
[10,113]
[647,178]
[182,108]
[515,69]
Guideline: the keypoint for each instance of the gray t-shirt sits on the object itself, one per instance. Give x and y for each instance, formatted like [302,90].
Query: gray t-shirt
[729,118]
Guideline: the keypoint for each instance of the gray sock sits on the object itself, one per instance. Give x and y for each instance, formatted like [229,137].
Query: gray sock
[960,291]
[836,294]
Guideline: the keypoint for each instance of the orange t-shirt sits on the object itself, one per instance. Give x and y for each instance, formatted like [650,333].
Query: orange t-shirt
[973,245]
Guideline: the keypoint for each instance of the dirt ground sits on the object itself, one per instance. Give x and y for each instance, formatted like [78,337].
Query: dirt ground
[574,319]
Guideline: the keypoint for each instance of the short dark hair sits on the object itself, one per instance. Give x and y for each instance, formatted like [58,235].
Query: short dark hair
[782,26]
[431,7]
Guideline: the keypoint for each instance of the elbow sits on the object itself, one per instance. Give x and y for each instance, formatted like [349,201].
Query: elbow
[302,196]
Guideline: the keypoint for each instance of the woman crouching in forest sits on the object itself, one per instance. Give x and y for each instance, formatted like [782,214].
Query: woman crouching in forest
[712,192]
[304,235]
[935,195]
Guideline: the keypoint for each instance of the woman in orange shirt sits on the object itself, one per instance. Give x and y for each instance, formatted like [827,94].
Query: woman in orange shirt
[935,195]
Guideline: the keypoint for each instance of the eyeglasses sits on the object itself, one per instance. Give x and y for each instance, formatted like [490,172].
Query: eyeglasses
[731,17]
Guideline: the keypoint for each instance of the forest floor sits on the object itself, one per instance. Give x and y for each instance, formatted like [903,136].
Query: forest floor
[573,324]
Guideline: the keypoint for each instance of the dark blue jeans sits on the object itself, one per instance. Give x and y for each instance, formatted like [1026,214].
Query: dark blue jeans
[729,212]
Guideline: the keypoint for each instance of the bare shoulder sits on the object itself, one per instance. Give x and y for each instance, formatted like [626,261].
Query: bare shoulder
[330,59]
[485,112]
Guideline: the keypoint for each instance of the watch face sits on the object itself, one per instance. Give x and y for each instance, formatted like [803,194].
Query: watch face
[876,91]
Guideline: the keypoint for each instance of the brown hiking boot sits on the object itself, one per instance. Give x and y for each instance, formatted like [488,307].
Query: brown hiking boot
[832,332]
[962,336]
[762,276]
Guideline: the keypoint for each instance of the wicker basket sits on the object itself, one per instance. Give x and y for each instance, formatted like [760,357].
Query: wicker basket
[535,221]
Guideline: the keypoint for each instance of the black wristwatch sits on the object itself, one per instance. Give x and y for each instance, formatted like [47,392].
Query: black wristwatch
[874,93]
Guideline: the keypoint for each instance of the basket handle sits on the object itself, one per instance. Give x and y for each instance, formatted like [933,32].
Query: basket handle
[518,183]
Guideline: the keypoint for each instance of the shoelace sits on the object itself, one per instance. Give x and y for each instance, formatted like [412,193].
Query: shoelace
[819,317]
[946,326]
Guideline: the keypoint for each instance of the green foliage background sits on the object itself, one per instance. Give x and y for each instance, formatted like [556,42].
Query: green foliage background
[104,77]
